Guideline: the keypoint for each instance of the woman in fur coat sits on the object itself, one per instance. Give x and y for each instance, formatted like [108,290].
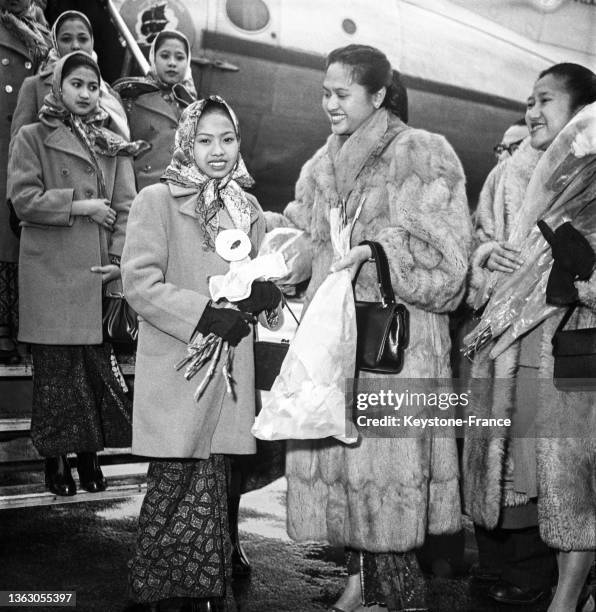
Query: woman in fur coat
[381,497]
[504,476]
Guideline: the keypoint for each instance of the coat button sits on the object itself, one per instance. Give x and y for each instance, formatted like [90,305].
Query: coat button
[90,170]
[65,171]
[147,168]
[8,89]
[88,193]
[5,61]
[28,65]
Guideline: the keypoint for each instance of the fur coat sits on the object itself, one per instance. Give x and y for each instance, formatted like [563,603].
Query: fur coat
[385,494]
[565,466]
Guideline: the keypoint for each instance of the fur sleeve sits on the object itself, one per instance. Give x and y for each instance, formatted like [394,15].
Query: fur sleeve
[487,228]
[429,240]
[298,213]
[587,291]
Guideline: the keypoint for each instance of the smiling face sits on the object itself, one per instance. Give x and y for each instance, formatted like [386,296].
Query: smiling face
[80,90]
[170,61]
[347,103]
[216,145]
[74,36]
[549,109]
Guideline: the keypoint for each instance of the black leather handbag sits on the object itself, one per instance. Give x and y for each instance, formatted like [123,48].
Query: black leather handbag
[574,351]
[268,359]
[120,324]
[383,327]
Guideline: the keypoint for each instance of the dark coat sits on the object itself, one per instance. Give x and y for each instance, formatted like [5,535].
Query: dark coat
[153,119]
[33,91]
[165,274]
[60,298]
[15,65]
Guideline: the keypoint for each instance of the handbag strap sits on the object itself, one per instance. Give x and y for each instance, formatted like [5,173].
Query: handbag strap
[383,272]
[565,319]
[285,304]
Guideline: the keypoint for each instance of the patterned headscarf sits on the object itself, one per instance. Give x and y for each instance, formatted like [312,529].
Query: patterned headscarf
[88,128]
[213,193]
[183,92]
[31,32]
[107,99]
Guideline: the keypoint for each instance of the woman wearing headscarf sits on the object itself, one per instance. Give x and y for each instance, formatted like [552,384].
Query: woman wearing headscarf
[72,31]
[24,43]
[154,103]
[71,187]
[183,549]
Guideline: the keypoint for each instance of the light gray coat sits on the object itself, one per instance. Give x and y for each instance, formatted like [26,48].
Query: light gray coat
[60,298]
[165,274]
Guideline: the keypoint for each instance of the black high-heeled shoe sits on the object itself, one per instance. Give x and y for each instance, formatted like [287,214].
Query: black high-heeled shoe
[90,474]
[58,477]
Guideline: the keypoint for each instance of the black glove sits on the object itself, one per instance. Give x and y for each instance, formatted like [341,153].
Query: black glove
[574,259]
[264,295]
[227,323]
[570,249]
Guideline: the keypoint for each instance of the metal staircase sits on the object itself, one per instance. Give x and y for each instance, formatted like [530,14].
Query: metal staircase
[21,467]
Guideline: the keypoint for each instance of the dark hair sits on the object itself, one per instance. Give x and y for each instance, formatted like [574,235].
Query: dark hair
[76,60]
[521,121]
[72,16]
[164,35]
[579,81]
[371,69]
[214,107]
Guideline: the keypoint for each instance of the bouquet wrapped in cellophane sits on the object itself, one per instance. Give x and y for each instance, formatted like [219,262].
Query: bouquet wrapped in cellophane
[308,398]
[562,188]
[234,246]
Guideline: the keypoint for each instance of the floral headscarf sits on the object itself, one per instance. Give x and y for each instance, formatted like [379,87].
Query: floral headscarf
[31,32]
[107,100]
[88,128]
[183,92]
[213,193]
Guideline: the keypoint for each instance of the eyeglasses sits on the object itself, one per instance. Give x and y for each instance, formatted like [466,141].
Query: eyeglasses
[510,148]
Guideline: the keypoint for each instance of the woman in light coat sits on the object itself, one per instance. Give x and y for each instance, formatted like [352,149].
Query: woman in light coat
[154,103]
[183,547]
[72,31]
[72,188]
[381,497]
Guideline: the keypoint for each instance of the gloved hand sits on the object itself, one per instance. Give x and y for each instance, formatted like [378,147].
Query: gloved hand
[573,258]
[264,295]
[570,249]
[227,323]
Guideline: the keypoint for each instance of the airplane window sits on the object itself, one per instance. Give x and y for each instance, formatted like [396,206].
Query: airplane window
[349,26]
[251,15]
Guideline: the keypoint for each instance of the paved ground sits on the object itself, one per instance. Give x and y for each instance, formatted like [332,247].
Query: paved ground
[85,547]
